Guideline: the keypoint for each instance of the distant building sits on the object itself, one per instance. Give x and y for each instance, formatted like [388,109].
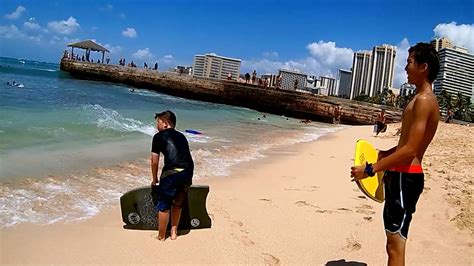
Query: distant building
[456,72]
[360,74]
[327,85]
[182,70]
[290,78]
[344,83]
[407,89]
[216,67]
[382,68]
[272,78]
[439,44]
[198,65]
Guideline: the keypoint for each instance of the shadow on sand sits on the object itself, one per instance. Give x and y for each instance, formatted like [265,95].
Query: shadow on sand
[343,262]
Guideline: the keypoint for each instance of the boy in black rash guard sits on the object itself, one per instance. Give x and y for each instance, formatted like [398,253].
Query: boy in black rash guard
[176,175]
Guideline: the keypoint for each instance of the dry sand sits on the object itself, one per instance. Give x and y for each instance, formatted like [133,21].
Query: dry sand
[296,206]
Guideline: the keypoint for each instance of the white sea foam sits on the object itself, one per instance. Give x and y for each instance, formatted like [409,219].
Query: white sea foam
[111,119]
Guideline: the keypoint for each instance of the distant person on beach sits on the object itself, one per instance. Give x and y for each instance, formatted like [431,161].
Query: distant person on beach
[107,60]
[247,78]
[381,123]
[254,76]
[336,115]
[404,178]
[295,84]
[176,175]
[155,67]
[449,116]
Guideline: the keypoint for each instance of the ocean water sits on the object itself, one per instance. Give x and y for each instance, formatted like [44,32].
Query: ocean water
[70,148]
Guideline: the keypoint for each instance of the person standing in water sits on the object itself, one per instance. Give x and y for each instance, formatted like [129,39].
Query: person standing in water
[176,175]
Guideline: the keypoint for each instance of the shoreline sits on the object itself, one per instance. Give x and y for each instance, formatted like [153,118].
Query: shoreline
[294,206]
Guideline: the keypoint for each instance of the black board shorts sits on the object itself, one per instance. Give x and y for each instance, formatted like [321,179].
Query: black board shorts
[172,189]
[402,191]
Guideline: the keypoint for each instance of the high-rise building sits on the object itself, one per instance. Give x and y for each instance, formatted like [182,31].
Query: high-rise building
[216,67]
[344,83]
[360,74]
[407,89]
[456,72]
[439,44]
[382,68]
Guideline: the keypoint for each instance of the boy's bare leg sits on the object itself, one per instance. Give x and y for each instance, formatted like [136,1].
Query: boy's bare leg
[395,249]
[163,217]
[175,216]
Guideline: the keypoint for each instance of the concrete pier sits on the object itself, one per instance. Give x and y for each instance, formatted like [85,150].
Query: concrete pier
[280,102]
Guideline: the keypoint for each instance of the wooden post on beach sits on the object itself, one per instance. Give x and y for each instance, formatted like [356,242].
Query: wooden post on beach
[103,53]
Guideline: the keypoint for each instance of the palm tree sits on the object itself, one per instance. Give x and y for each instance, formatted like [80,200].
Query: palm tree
[445,100]
[462,107]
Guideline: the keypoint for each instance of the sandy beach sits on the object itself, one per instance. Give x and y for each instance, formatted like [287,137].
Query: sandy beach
[295,206]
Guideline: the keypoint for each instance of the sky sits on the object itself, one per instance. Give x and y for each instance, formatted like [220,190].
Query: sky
[315,37]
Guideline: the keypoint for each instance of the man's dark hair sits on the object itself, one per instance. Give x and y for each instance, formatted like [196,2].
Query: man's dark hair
[167,116]
[426,53]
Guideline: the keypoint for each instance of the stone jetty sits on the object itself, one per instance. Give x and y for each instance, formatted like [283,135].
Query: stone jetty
[280,102]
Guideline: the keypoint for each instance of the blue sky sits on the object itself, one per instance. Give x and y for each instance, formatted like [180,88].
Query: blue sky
[316,37]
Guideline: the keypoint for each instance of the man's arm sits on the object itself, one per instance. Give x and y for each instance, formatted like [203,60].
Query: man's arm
[406,154]
[155,158]
[383,154]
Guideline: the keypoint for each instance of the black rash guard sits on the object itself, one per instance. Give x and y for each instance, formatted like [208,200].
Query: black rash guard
[175,148]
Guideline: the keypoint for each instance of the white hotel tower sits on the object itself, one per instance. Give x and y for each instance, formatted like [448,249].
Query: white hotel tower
[382,68]
[456,73]
[360,74]
[215,66]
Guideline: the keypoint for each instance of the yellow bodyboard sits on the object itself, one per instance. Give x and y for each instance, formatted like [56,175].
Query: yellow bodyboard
[372,187]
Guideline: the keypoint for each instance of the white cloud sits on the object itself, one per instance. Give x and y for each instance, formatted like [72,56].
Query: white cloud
[330,56]
[33,26]
[12,32]
[62,41]
[460,35]
[114,49]
[270,55]
[400,75]
[64,26]
[130,33]
[325,59]
[143,54]
[16,14]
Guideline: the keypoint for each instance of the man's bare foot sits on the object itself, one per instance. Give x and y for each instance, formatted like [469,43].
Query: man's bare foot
[161,238]
[174,234]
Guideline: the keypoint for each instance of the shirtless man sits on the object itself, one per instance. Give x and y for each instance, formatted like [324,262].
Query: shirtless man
[404,179]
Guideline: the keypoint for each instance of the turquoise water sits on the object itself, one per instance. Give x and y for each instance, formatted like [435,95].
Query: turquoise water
[69,148]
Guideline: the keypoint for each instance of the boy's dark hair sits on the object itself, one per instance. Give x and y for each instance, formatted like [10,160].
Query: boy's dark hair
[167,116]
[426,53]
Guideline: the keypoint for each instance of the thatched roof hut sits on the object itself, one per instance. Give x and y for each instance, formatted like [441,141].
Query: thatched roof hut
[88,45]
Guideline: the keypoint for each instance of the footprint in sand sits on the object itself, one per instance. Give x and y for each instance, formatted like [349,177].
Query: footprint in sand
[352,244]
[268,200]
[344,209]
[246,241]
[368,218]
[269,259]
